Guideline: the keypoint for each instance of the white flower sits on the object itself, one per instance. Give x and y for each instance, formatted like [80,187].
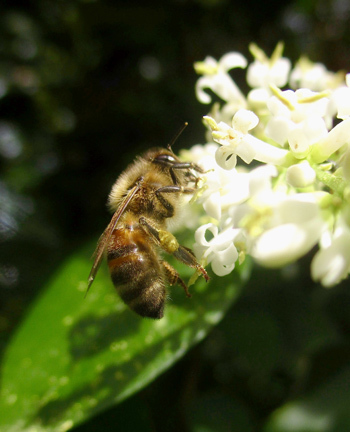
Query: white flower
[300,175]
[216,77]
[260,180]
[220,251]
[332,142]
[298,196]
[297,118]
[286,243]
[257,100]
[341,97]
[264,71]
[295,226]
[313,76]
[331,264]
[222,188]
[236,141]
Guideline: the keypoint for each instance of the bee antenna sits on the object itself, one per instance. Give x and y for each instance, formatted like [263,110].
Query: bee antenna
[179,132]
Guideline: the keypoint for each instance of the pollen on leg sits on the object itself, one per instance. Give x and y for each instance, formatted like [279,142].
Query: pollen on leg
[168,241]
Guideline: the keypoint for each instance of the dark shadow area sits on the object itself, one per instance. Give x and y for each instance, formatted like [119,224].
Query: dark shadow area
[113,380]
[94,334]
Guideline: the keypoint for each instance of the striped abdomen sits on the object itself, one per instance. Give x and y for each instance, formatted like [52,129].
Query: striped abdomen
[135,270]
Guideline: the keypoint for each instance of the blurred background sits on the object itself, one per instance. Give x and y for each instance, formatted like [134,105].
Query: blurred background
[87,85]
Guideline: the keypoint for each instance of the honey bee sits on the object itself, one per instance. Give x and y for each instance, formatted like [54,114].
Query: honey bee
[144,199]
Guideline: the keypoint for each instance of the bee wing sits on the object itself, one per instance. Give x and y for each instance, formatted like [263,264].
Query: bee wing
[106,235]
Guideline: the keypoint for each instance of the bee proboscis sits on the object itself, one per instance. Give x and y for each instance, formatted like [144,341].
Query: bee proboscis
[144,198]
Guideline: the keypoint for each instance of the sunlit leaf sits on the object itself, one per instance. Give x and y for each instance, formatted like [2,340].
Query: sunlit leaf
[73,357]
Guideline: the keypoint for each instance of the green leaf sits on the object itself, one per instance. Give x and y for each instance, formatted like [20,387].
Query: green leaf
[74,357]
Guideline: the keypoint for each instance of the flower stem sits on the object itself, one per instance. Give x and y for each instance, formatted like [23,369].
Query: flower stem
[337,184]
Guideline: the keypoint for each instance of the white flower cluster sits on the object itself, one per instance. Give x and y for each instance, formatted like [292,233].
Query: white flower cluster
[294,124]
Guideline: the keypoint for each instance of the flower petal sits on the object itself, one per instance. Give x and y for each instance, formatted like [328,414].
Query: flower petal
[225,157]
[212,205]
[244,120]
[232,60]
[286,243]
[224,261]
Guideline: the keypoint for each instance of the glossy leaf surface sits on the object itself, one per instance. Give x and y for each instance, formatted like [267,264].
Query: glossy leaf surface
[73,357]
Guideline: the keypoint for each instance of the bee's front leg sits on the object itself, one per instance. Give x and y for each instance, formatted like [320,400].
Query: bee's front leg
[171,189]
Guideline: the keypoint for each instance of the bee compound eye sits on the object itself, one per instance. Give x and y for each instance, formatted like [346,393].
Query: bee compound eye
[165,158]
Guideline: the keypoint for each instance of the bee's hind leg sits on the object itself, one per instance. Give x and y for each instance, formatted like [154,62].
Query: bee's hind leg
[169,244]
[174,278]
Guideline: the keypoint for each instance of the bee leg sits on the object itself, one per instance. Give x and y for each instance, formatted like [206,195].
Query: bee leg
[169,244]
[174,165]
[175,189]
[174,278]
[171,189]
[192,178]
[186,256]
[183,165]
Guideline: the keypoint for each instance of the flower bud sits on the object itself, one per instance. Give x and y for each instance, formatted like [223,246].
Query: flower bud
[300,175]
